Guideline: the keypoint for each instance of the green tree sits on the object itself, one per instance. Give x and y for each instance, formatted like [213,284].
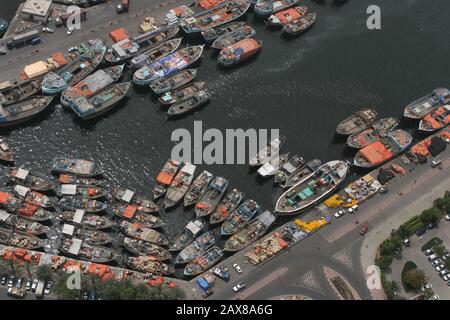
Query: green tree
[414,278]
[15,266]
[428,293]
[384,262]
[389,246]
[439,249]
[62,290]
[447,264]
[44,273]
[430,215]
[405,230]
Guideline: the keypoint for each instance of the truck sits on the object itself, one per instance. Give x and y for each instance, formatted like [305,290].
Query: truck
[123,6]
[24,38]
[40,289]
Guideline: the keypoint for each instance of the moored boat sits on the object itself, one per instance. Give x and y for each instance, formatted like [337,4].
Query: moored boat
[88,220]
[17,92]
[273,166]
[233,37]
[79,167]
[30,180]
[312,188]
[80,249]
[298,26]
[210,199]
[6,154]
[165,177]
[80,181]
[9,201]
[182,93]
[357,122]
[87,192]
[239,52]
[226,206]
[130,212]
[267,152]
[172,82]
[179,185]
[91,206]
[190,231]
[143,248]
[89,236]
[289,168]
[421,107]
[23,111]
[32,197]
[302,172]
[210,35]
[197,188]
[149,264]
[33,213]
[203,262]
[436,120]
[19,239]
[215,17]
[18,223]
[141,203]
[379,129]
[286,16]
[141,232]
[156,53]
[176,61]
[267,7]
[197,100]
[383,150]
[195,248]
[237,220]
[251,232]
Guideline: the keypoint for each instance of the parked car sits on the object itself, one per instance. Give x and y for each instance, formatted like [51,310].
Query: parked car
[447,217]
[436,162]
[69,31]
[239,286]
[221,274]
[426,287]
[431,225]
[406,242]
[19,283]
[339,214]
[364,230]
[48,288]
[4,279]
[434,297]
[207,293]
[34,285]
[48,30]
[11,281]
[28,284]
[85,295]
[72,49]
[436,262]
[428,252]
[382,190]
[237,268]
[432,257]
[421,231]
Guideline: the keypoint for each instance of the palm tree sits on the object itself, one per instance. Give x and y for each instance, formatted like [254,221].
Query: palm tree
[15,266]
[44,273]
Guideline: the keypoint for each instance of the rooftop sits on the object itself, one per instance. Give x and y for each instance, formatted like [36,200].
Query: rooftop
[37,7]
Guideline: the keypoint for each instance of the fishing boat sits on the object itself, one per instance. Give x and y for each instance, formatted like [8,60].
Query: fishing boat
[179,185]
[435,120]
[30,180]
[79,167]
[379,129]
[215,17]
[237,220]
[6,154]
[286,16]
[210,199]
[195,248]
[131,213]
[32,197]
[19,91]
[190,231]
[165,178]
[87,192]
[80,249]
[383,150]
[79,181]
[421,107]
[141,203]
[197,188]
[197,100]
[143,248]
[273,166]
[56,82]
[300,25]
[233,37]
[288,168]
[251,232]
[302,172]
[101,102]
[357,122]
[22,111]
[18,223]
[210,35]
[91,206]
[91,85]
[154,54]
[19,239]
[88,220]
[203,262]
[140,232]
[312,188]
[238,52]
[267,152]
[89,236]
[9,202]
[176,61]
[33,213]
[173,82]
[182,93]
[149,264]
[130,47]
[226,206]
[267,7]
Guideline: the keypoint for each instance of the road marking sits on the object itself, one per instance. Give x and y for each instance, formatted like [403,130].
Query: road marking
[260,284]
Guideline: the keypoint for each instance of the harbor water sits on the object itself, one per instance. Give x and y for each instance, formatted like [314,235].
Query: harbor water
[302,85]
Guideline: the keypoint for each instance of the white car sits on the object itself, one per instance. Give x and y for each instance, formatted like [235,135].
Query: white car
[434,297]
[437,262]
[438,268]
[69,31]
[446,278]
[48,30]
[237,268]
[428,252]
[239,287]
[72,49]
[447,217]
[339,214]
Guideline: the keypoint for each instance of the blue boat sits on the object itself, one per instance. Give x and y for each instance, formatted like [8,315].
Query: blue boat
[243,214]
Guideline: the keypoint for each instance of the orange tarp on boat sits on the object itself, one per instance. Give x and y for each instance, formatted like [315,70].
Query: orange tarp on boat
[8,255]
[209,4]
[291,13]
[376,153]
[4,196]
[129,211]
[59,58]
[201,205]
[421,148]
[27,210]
[98,269]
[118,34]
[164,178]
